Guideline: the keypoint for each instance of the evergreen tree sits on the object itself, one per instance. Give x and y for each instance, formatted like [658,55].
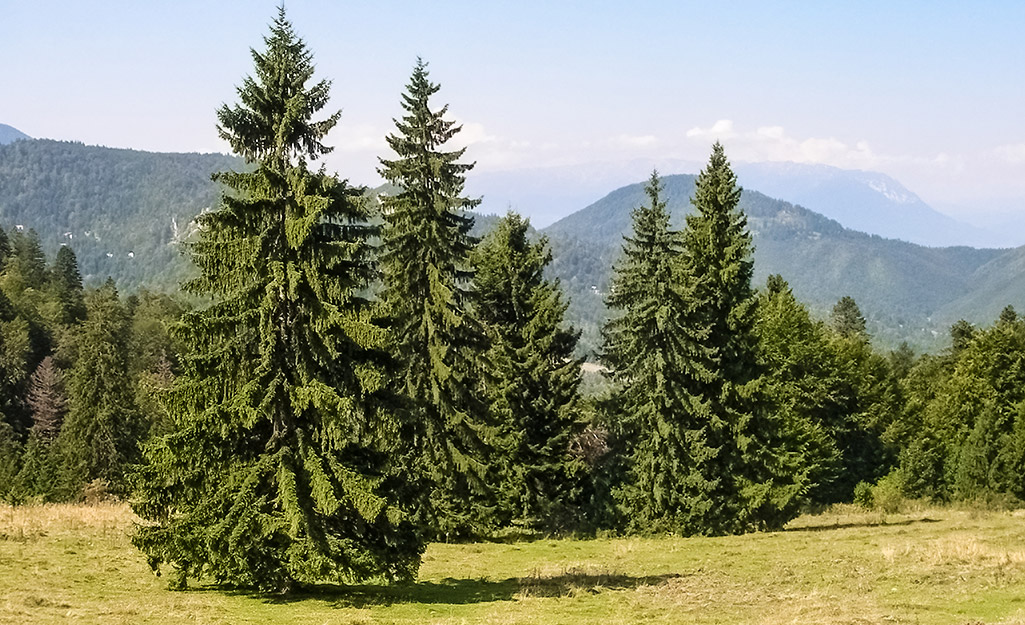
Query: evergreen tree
[536,374]
[5,249]
[758,479]
[28,261]
[47,400]
[653,348]
[846,319]
[866,396]
[66,285]
[428,293]
[803,385]
[278,470]
[99,438]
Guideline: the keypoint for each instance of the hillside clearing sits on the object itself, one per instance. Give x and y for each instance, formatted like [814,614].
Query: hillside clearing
[64,563]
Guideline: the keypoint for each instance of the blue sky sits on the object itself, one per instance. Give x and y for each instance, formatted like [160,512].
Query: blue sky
[932,93]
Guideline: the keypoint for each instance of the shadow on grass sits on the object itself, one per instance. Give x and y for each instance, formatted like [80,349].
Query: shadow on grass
[856,524]
[466,591]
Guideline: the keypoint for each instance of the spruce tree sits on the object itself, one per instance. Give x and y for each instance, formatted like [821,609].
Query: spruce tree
[536,374]
[757,480]
[846,319]
[99,437]
[653,348]
[66,285]
[428,294]
[47,400]
[278,469]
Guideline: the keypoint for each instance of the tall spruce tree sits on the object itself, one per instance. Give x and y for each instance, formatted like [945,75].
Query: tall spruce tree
[653,348]
[428,293]
[534,396]
[757,484]
[278,471]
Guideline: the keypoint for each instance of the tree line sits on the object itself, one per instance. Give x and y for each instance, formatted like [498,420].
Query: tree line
[357,380]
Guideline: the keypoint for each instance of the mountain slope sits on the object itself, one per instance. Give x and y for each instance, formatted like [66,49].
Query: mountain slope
[905,290]
[865,201]
[123,211]
[10,134]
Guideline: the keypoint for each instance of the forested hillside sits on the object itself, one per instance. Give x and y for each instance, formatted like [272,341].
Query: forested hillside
[908,292]
[124,211]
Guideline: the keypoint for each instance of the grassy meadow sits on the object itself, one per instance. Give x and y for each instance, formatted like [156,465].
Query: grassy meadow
[75,564]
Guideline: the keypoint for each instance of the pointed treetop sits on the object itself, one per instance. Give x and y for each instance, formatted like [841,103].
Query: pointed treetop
[274,122]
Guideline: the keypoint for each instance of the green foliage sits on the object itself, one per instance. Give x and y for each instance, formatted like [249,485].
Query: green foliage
[536,378]
[277,470]
[125,212]
[99,438]
[759,473]
[653,348]
[437,338]
[847,320]
[803,384]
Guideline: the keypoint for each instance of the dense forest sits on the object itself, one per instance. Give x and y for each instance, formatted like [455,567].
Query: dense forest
[357,378]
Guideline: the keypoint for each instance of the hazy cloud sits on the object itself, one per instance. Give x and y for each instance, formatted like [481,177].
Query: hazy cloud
[1013,154]
[635,141]
[722,129]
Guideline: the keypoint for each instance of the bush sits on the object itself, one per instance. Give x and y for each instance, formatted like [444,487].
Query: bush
[887,494]
[863,495]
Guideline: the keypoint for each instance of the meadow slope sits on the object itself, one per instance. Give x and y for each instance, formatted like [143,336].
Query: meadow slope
[64,563]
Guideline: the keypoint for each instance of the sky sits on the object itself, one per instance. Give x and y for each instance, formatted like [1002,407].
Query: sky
[931,93]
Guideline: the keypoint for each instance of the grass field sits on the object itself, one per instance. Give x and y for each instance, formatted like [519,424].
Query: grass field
[75,564]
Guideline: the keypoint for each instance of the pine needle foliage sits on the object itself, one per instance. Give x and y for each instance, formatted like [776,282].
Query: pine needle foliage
[653,346]
[428,294]
[534,397]
[278,470]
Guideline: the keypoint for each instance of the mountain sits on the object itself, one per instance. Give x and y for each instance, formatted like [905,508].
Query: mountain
[908,292]
[866,201]
[124,212]
[10,134]
[860,200]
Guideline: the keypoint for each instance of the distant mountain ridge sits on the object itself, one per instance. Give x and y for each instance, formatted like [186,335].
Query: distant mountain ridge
[10,134]
[865,201]
[127,212]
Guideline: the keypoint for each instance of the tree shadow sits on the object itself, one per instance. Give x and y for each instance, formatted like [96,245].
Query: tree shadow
[450,591]
[856,524]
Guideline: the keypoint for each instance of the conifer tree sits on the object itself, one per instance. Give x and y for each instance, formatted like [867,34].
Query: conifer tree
[278,470]
[99,438]
[846,319]
[803,386]
[66,284]
[756,487]
[428,294]
[536,373]
[653,348]
[47,400]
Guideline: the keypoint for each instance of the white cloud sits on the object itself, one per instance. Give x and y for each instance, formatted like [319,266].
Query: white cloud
[722,129]
[1013,154]
[772,143]
[473,133]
